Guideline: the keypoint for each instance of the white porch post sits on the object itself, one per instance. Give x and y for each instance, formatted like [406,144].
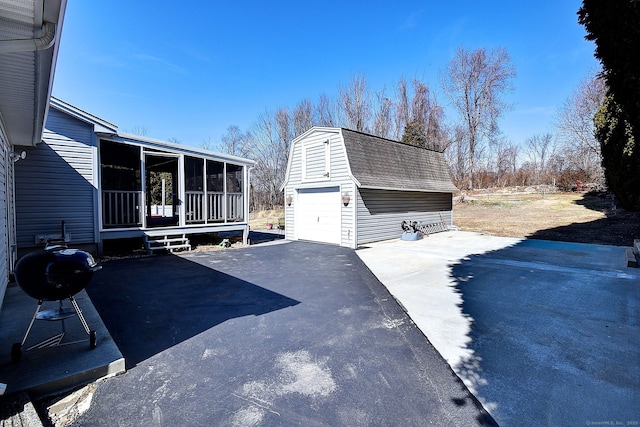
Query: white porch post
[143,193]
[245,204]
[205,196]
[182,195]
[225,196]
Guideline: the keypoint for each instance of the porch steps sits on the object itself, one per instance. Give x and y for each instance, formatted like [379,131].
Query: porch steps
[167,242]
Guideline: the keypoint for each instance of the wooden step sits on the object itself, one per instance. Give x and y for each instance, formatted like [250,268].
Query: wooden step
[168,242]
[161,241]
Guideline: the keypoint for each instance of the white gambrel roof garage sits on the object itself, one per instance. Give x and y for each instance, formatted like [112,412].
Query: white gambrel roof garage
[349,188]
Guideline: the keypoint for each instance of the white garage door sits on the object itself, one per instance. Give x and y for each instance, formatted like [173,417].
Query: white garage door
[318,215]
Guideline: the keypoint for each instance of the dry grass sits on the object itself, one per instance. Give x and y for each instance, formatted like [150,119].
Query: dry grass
[521,215]
[572,217]
[258,220]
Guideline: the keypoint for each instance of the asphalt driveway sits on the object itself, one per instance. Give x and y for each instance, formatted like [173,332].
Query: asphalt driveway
[287,334]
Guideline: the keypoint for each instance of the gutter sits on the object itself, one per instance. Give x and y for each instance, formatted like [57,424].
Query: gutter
[31,45]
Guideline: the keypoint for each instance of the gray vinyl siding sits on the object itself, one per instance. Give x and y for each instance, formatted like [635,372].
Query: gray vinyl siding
[338,176]
[381,212]
[57,182]
[4,215]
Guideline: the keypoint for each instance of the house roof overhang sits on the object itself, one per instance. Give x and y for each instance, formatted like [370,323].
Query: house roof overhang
[29,40]
[99,125]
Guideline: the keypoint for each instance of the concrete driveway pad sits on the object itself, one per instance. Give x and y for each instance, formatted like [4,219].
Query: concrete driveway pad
[288,334]
[543,333]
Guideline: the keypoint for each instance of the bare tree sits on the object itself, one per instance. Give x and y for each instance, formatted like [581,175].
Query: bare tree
[457,155]
[325,111]
[138,130]
[283,129]
[475,82]
[576,129]
[302,117]
[539,150]
[383,123]
[355,104]
[403,109]
[437,130]
[174,140]
[233,142]
[506,163]
[268,145]
[207,144]
[419,120]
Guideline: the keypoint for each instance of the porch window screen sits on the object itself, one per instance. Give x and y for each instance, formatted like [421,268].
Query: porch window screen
[121,184]
[120,166]
[194,186]
[215,191]
[235,198]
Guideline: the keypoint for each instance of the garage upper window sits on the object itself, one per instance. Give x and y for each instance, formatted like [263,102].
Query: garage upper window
[315,161]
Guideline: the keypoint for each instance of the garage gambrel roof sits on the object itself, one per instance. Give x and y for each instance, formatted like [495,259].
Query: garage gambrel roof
[385,164]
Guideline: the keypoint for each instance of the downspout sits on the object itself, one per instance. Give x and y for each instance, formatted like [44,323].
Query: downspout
[31,45]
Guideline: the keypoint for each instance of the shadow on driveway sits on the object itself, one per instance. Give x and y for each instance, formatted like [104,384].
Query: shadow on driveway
[152,304]
[286,334]
[542,332]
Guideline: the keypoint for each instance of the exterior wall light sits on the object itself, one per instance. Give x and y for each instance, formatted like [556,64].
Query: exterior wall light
[346,198]
[15,156]
[289,200]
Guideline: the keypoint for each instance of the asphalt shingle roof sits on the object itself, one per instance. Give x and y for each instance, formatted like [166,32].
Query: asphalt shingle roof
[382,163]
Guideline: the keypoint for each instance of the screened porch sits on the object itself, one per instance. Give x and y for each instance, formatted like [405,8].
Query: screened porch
[149,187]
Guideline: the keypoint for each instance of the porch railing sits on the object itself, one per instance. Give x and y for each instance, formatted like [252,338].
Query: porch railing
[215,206]
[235,211]
[121,208]
[195,207]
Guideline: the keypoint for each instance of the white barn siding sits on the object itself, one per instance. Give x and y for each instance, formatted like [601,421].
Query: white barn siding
[307,167]
[381,212]
[57,182]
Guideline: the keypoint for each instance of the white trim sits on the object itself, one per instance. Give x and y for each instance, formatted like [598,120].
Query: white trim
[372,187]
[354,201]
[295,141]
[143,189]
[182,192]
[326,176]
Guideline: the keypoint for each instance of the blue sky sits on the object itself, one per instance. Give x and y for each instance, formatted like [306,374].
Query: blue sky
[188,70]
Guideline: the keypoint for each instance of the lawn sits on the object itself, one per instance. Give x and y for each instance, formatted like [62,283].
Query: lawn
[572,217]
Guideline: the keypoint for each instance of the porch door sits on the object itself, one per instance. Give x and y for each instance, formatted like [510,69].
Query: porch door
[161,188]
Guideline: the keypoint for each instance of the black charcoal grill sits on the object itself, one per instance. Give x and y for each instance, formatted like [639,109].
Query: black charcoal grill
[56,273]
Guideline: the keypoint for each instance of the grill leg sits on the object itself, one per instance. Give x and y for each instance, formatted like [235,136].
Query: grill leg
[85,325]
[33,319]
[80,316]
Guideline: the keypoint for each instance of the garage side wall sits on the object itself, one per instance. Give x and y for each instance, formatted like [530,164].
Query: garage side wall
[338,177]
[58,182]
[381,212]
